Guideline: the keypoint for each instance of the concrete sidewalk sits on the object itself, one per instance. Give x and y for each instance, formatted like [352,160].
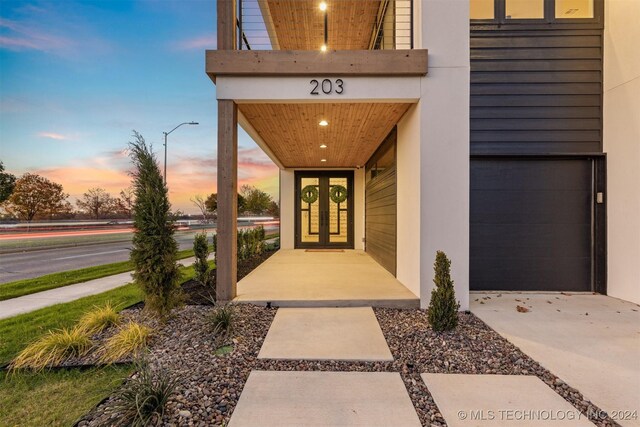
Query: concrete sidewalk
[592,342]
[25,304]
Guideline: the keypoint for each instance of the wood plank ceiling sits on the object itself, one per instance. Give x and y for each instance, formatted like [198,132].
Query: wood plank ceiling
[299,24]
[292,131]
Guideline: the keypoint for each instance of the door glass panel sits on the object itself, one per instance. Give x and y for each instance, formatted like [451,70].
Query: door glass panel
[524,9]
[310,210]
[338,211]
[574,9]
[481,9]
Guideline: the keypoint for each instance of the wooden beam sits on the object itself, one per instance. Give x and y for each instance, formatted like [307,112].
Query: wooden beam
[227,228]
[315,63]
[227,33]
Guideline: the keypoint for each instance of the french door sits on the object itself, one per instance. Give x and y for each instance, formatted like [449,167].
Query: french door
[324,209]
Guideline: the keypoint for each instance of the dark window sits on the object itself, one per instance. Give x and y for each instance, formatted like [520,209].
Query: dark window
[535,11]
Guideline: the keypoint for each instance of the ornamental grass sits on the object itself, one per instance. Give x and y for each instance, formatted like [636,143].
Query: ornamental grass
[52,349]
[143,398]
[131,339]
[99,319]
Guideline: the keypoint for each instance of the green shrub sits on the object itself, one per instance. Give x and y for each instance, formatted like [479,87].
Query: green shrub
[443,308]
[52,349]
[201,252]
[99,319]
[250,243]
[154,252]
[131,339]
[143,398]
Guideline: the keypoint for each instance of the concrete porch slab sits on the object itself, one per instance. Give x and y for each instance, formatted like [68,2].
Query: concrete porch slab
[592,342]
[500,400]
[276,399]
[295,278]
[325,334]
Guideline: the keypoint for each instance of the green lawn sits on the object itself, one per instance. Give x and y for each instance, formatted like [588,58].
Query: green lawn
[19,288]
[68,394]
[55,398]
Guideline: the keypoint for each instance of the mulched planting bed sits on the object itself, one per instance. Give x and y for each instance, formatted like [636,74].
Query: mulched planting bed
[198,294]
[210,384]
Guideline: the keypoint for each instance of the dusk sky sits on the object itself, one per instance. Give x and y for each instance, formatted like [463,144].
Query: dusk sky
[76,77]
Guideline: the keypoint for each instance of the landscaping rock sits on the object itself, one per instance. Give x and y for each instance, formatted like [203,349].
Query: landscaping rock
[210,385]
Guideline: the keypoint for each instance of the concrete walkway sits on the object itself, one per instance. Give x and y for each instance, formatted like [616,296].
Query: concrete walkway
[305,398]
[592,342]
[296,278]
[350,334]
[25,304]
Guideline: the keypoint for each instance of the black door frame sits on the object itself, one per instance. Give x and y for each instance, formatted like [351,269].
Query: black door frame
[324,204]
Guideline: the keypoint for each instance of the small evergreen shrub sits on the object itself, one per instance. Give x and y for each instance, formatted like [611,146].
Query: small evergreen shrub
[443,308]
[131,339]
[142,399]
[99,319]
[52,349]
[201,251]
[154,252]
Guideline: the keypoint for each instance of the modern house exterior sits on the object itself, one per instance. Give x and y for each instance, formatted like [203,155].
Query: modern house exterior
[503,132]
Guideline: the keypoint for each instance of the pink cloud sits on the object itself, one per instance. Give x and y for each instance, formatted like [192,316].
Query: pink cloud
[27,37]
[201,42]
[187,176]
[53,135]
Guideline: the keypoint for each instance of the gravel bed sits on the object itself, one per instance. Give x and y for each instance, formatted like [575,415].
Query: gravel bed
[473,348]
[210,385]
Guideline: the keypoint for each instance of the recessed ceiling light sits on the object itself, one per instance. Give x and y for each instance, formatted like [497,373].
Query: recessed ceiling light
[323,146]
[323,123]
[323,160]
[323,48]
[323,6]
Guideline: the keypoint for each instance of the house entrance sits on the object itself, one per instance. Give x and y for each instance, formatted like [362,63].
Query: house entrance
[324,209]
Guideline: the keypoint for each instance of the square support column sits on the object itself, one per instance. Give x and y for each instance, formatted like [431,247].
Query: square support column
[226,256]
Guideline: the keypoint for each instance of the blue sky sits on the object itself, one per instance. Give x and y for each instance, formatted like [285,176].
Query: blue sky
[77,76]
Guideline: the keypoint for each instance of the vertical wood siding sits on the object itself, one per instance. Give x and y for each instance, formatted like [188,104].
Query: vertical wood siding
[380,224]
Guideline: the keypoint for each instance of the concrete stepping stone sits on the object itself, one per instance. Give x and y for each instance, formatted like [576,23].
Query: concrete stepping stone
[351,334]
[279,399]
[500,400]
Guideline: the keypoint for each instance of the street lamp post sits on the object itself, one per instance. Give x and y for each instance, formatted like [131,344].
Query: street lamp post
[165,146]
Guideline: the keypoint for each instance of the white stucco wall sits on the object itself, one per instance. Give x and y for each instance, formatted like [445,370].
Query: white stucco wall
[287,208]
[622,145]
[408,200]
[444,151]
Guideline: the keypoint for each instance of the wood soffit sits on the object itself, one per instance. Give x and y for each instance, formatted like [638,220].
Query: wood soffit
[293,134]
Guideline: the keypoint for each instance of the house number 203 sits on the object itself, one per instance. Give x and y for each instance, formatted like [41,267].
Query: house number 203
[327,86]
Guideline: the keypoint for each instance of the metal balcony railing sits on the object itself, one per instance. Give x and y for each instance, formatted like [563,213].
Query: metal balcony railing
[337,25]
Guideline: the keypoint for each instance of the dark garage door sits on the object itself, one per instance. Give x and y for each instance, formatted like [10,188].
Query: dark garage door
[531,225]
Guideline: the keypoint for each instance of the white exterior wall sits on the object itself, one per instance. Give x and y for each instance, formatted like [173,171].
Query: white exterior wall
[622,145]
[287,208]
[444,134]
[408,172]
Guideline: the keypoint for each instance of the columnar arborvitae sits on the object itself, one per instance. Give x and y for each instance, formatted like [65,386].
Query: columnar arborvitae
[201,252]
[443,308]
[154,252]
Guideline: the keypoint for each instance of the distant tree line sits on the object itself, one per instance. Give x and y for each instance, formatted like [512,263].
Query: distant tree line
[34,197]
[251,201]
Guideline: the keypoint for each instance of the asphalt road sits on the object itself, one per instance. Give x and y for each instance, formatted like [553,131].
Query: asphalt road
[25,265]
